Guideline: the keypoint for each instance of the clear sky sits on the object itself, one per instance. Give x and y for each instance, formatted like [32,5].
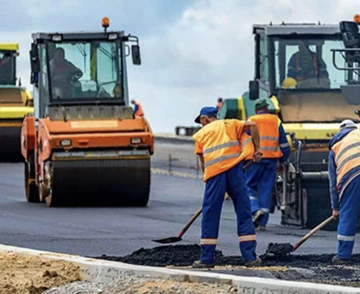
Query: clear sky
[193,51]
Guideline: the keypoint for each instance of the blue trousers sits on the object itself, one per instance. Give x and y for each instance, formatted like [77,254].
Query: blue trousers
[260,179]
[348,217]
[231,181]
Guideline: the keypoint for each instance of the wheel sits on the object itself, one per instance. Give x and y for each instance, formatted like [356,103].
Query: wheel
[31,190]
[49,198]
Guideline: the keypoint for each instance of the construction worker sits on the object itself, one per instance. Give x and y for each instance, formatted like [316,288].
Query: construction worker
[64,74]
[306,67]
[138,111]
[219,103]
[6,70]
[344,171]
[221,154]
[261,176]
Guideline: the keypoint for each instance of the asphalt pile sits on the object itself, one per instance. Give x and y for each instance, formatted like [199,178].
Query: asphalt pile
[311,268]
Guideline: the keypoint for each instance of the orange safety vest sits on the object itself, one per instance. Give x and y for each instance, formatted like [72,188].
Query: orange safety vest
[139,111]
[223,144]
[268,126]
[346,154]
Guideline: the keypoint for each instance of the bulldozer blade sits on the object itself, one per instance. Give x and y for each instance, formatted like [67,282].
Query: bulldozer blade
[168,240]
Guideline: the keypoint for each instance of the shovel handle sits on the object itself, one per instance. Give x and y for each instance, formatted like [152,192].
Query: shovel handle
[312,232]
[189,223]
[199,211]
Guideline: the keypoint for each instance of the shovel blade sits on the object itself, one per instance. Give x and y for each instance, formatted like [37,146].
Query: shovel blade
[168,240]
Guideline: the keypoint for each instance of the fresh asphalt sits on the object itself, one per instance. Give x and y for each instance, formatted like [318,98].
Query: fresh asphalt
[93,231]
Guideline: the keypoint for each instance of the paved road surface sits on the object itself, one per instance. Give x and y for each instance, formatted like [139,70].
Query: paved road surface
[120,231]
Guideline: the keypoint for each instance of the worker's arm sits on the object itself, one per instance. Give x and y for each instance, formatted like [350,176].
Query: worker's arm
[334,195]
[202,162]
[198,150]
[254,132]
[283,143]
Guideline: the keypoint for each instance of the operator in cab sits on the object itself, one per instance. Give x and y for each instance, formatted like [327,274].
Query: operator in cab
[6,70]
[63,74]
[307,68]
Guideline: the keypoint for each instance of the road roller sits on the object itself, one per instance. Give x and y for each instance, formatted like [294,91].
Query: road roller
[310,103]
[15,103]
[83,145]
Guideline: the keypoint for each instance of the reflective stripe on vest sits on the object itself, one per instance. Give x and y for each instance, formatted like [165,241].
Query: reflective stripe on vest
[220,146]
[268,126]
[347,154]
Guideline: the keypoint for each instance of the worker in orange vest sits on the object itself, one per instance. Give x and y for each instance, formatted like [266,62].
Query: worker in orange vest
[261,176]
[138,111]
[344,179]
[221,154]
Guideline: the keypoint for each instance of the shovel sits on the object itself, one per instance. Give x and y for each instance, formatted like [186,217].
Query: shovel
[279,249]
[182,232]
[189,223]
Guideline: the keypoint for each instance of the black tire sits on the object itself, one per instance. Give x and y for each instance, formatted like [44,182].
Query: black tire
[31,190]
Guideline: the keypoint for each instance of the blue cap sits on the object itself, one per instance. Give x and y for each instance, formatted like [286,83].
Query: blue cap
[207,110]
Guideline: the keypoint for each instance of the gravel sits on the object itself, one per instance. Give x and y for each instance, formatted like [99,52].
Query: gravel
[131,284]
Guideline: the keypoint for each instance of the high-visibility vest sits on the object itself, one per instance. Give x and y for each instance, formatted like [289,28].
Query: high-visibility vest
[346,154]
[221,145]
[139,111]
[268,126]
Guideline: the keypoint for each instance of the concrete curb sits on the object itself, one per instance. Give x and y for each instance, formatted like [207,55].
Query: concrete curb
[102,271]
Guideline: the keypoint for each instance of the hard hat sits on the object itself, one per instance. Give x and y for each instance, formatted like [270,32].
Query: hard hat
[260,103]
[347,123]
[289,83]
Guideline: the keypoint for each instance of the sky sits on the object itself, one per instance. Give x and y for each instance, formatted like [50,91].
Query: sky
[192,51]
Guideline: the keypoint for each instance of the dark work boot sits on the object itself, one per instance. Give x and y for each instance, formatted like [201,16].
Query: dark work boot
[255,262]
[199,264]
[338,261]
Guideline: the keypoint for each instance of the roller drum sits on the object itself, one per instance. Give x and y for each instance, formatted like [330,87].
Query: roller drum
[122,181]
[10,150]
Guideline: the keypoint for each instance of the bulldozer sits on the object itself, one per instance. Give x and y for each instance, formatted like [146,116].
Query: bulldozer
[83,145]
[310,103]
[15,103]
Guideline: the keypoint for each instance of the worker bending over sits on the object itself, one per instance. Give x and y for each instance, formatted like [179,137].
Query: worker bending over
[222,145]
[261,176]
[344,171]
[138,111]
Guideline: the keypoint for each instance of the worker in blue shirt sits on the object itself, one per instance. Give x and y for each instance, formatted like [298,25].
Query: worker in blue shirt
[344,172]
[261,176]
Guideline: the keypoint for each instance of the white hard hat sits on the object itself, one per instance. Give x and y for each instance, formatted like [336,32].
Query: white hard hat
[347,123]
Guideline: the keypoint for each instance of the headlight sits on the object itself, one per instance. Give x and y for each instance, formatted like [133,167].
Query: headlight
[65,142]
[113,36]
[135,140]
[56,38]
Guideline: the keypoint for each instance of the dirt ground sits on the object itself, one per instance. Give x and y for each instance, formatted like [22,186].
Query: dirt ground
[311,268]
[33,275]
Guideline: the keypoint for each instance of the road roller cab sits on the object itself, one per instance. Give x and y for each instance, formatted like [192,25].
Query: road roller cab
[84,146]
[15,103]
[295,70]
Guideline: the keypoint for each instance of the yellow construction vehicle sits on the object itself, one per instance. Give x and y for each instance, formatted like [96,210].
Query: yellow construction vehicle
[311,96]
[15,103]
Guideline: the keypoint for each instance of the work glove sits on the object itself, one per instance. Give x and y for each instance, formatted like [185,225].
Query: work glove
[335,214]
